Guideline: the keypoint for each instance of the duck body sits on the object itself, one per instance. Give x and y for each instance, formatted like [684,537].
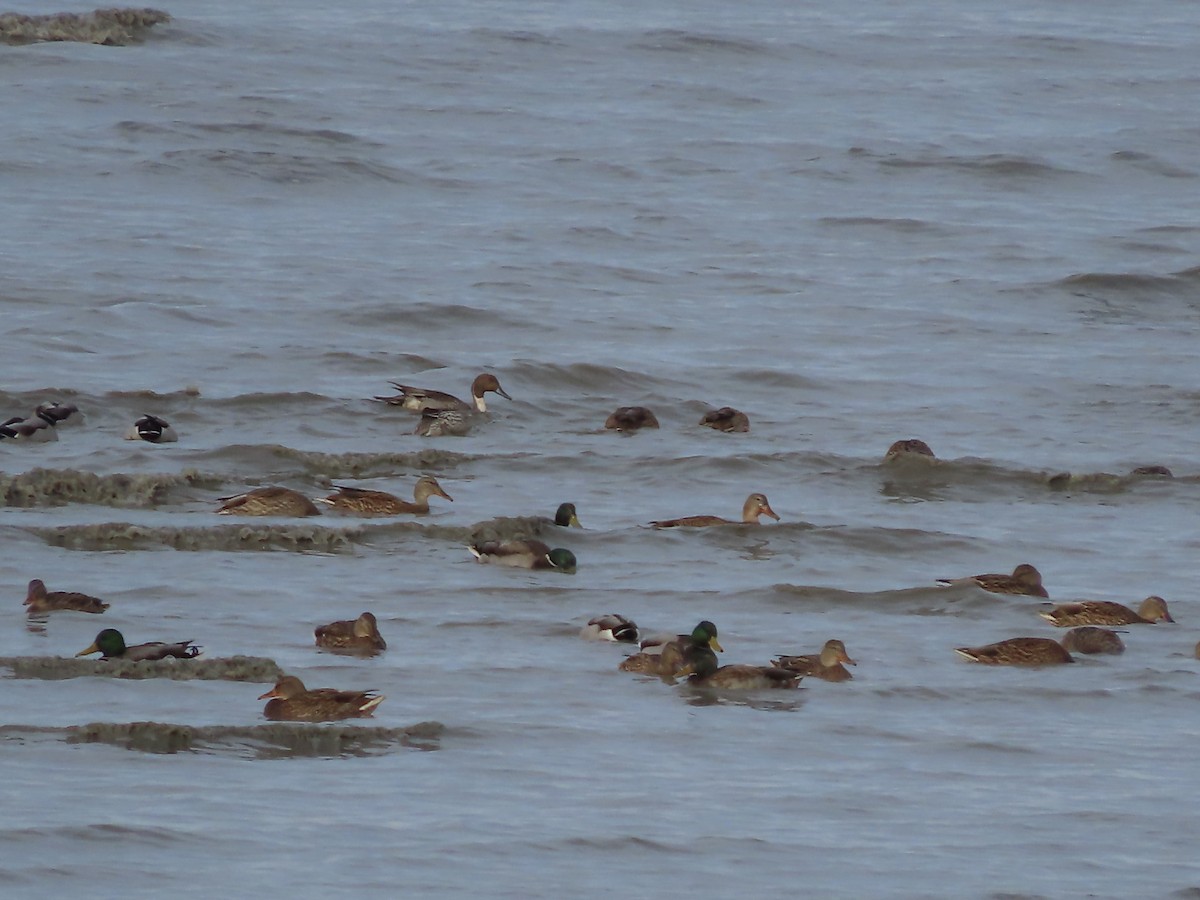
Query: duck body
[1019,651]
[153,430]
[38,428]
[446,422]
[703,672]
[364,502]
[726,419]
[1106,612]
[422,399]
[39,600]
[1024,580]
[756,505]
[611,627]
[291,701]
[826,665]
[1090,639]
[631,418]
[666,657]
[910,449]
[110,644]
[268,501]
[359,635]
[528,554]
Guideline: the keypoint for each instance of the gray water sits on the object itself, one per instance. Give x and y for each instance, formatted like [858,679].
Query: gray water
[975,225]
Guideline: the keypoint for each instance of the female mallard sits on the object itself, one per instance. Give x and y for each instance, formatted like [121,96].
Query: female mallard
[1090,639]
[631,418]
[1106,612]
[909,449]
[39,600]
[1020,651]
[152,429]
[756,505]
[703,672]
[421,399]
[268,501]
[726,419]
[359,635]
[110,644]
[528,554]
[611,627]
[1025,579]
[380,503]
[826,665]
[291,701]
[664,657]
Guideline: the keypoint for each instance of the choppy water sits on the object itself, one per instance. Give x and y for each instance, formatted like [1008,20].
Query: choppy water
[976,226]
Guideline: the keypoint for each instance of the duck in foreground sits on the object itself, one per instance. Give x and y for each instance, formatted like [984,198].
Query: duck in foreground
[703,672]
[524,555]
[1025,579]
[1090,639]
[611,627]
[726,419]
[153,430]
[110,644]
[291,701]
[380,503]
[1106,612]
[664,657]
[1019,651]
[756,505]
[359,635]
[39,600]
[38,428]
[421,399]
[631,418]
[268,501]
[826,665]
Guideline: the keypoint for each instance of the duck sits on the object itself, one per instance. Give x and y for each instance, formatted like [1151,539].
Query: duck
[1090,639]
[153,430]
[291,701]
[631,418]
[702,671]
[380,503]
[1106,612]
[610,627]
[566,516]
[39,600]
[110,644]
[445,422]
[359,635]
[1025,579]
[58,412]
[756,505]
[268,501]
[909,449]
[726,419]
[422,399]
[665,656]
[528,554]
[826,665]
[1018,651]
[38,428]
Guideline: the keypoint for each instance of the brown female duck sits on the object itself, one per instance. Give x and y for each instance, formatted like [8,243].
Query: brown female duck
[726,419]
[703,672]
[1090,639]
[1019,651]
[359,635]
[291,701]
[365,502]
[38,600]
[910,449]
[1025,579]
[268,501]
[826,665]
[756,505]
[631,418]
[110,644]
[1106,612]
[420,399]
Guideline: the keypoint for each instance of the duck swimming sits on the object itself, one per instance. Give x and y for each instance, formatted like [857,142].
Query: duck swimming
[1019,651]
[611,627]
[153,430]
[380,503]
[631,418]
[528,554]
[665,657]
[39,600]
[726,419]
[756,505]
[110,644]
[291,701]
[909,449]
[1106,612]
[826,665]
[421,399]
[1025,579]
[703,672]
[268,501]
[359,635]
[1090,639]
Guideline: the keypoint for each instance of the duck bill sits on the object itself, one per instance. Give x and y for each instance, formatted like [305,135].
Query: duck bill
[715,644]
[92,648]
[767,511]
[574,522]
[438,490]
[845,657]
[502,392]
[269,695]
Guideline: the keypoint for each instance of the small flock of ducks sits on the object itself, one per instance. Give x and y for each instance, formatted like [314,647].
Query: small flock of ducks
[691,656]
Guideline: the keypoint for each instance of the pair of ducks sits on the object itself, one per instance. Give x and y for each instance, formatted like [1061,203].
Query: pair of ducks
[442,413]
[632,418]
[280,501]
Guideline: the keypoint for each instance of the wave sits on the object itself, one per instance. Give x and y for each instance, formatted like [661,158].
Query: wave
[110,27]
[1133,284]
[231,668]
[57,487]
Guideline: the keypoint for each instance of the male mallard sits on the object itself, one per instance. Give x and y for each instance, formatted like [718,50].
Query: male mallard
[39,600]
[1020,651]
[611,627]
[268,501]
[826,665]
[291,701]
[528,554]
[631,418]
[359,635]
[1090,639]
[1025,579]
[110,644]
[1106,612]
[909,449]
[726,419]
[665,657]
[380,503]
[756,505]
[703,672]
[566,517]
[38,428]
[421,399]
[58,412]
[153,430]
